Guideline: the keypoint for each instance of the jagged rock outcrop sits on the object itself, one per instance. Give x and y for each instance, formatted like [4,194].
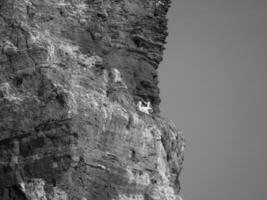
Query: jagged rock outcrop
[71,74]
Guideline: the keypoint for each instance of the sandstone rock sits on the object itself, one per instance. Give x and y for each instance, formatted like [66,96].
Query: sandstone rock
[71,74]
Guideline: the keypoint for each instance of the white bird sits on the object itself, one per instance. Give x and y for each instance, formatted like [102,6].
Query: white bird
[145,109]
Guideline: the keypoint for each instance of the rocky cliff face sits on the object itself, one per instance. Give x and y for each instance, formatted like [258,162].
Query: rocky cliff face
[71,74]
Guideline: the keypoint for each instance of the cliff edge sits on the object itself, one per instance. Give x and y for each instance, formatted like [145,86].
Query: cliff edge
[71,75]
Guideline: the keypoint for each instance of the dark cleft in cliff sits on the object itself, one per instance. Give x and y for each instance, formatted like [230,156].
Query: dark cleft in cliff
[79,102]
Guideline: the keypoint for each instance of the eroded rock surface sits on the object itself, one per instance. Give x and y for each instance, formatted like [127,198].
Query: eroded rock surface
[71,74]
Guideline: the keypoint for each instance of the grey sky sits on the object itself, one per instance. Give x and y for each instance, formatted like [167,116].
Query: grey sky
[213,86]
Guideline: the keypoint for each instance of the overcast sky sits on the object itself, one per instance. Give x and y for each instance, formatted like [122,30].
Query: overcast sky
[213,86]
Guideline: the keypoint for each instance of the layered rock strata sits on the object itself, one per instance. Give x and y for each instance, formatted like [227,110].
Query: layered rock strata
[71,74]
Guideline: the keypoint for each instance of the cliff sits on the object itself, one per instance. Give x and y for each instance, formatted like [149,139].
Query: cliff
[71,74]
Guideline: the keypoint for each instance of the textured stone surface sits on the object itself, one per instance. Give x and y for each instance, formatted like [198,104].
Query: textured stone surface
[71,73]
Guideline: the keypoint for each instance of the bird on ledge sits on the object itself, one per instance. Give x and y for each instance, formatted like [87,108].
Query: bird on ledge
[145,109]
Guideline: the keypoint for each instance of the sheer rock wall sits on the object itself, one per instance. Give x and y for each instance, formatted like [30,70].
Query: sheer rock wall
[71,73]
